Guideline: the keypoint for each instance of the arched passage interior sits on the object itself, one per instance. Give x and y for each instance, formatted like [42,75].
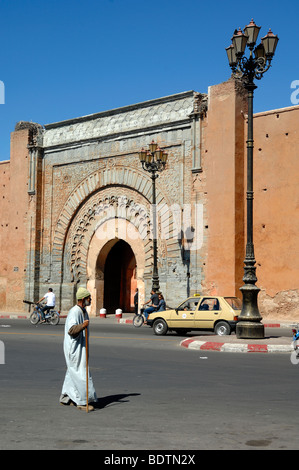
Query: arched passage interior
[99,248]
[119,278]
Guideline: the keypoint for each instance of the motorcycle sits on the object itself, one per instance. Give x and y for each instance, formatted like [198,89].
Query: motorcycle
[138,320]
[51,317]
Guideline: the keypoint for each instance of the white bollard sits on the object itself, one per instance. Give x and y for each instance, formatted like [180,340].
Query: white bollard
[103,312]
[118,313]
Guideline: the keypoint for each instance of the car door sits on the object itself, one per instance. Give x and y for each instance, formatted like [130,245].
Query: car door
[183,316]
[208,312]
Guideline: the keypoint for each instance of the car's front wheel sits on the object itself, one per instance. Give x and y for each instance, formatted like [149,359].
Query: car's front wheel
[160,327]
[222,328]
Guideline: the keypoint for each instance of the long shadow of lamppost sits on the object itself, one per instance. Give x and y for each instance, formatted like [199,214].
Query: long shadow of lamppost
[248,69]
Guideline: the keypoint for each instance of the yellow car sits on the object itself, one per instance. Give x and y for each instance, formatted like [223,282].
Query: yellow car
[199,313]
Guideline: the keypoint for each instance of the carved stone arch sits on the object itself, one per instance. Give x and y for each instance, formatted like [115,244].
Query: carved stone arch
[119,189]
[98,218]
[118,175]
[98,252]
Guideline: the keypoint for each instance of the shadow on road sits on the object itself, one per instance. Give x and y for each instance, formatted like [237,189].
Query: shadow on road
[113,400]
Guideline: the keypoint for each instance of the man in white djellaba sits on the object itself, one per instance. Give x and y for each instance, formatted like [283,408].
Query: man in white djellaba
[76,327]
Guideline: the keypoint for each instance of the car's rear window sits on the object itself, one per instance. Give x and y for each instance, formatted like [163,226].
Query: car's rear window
[234,302]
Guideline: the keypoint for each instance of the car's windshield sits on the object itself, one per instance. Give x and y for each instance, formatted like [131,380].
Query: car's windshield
[189,304]
[234,302]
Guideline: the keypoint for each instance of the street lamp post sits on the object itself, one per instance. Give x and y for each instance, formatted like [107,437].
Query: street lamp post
[248,69]
[154,161]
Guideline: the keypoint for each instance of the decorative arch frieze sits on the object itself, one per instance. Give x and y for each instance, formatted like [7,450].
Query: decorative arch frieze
[96,181]
[98,217]
[115,192]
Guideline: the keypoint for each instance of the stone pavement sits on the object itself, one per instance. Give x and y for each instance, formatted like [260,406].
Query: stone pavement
[210,342]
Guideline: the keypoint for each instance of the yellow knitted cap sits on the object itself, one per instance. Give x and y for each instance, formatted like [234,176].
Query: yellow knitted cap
[82,293]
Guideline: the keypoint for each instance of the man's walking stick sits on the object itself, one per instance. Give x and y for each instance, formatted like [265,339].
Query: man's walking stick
[86,348]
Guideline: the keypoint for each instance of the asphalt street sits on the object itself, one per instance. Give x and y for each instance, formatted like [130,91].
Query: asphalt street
[153,394]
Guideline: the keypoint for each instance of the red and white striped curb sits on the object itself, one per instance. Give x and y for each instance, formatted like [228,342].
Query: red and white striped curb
[235,347]
[130,321]
[24,317]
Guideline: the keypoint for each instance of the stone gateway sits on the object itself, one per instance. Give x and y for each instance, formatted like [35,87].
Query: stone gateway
[76,205]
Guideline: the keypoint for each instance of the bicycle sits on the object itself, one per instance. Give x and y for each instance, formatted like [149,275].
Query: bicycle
[138,319]
[52,317]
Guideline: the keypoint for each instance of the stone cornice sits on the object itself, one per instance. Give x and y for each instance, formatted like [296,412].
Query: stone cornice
[150,116]
[123,109]
[118,136]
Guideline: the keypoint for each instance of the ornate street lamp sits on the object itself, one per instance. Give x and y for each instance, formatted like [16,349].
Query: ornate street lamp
[154,161]
[248,69]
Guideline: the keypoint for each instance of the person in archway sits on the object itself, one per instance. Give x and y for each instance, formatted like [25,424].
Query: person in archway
[154,304]
[76,327]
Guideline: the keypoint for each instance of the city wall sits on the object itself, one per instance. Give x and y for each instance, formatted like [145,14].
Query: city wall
[64,179]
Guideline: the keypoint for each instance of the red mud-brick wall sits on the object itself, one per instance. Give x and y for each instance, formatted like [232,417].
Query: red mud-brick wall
[4,227]
[224,175]
[13,213]
[276,210]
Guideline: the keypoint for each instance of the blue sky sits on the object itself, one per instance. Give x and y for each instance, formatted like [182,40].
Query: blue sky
[67,58]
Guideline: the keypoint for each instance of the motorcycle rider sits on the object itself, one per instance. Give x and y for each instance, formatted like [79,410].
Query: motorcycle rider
[50,297]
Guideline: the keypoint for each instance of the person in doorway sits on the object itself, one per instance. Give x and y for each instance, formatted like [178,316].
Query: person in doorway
[50,303]
[76,329]
[154,304]
[136,301]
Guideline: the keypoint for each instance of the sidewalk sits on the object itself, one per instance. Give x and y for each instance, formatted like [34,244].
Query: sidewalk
[128,318]
[208,341]
[231,343]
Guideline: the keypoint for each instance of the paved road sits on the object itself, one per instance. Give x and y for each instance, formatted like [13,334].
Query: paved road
[153,394]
